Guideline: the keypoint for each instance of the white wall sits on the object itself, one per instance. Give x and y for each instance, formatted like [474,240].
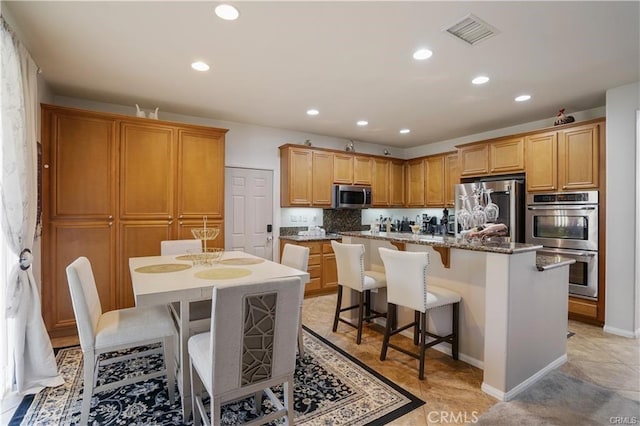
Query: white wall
[622,291]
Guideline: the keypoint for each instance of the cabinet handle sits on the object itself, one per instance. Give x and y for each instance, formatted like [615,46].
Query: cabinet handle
[181,223]
[170,221]
[110,223]
[110,217]
[46,166]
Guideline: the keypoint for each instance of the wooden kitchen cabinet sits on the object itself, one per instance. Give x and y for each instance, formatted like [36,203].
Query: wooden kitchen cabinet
[564,160]
[434,181]
[415,183]
[114,187]
[362,170]
[451,178]
[306,177]
[322,266]
[578,157]
[343,168]
[495,157]
[321,179]
[380,187]
[396,183]
[295,176]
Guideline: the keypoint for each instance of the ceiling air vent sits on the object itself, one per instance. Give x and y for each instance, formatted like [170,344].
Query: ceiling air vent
[471,30]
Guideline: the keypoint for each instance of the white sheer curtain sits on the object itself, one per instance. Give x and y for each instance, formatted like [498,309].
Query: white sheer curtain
[30,354]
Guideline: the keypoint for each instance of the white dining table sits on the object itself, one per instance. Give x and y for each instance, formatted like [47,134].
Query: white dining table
[154,283]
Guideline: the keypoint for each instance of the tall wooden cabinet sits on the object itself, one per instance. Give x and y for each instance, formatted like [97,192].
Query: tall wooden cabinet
[115,186]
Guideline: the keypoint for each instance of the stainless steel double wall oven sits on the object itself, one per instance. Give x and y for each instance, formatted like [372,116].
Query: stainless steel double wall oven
[566,224]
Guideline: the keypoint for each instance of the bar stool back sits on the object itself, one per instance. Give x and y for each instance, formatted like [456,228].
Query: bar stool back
[406,274]
[351,273]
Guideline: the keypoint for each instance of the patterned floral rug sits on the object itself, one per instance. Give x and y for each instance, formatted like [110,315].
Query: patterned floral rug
[331,388]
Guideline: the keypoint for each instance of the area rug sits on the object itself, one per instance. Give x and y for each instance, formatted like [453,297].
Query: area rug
[331,388]
[560,399]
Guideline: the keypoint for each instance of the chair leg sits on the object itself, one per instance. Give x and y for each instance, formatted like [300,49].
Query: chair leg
[288,401]
[391,309]
[416,329]
[423,342]
[300,340]
[338,306]
[196,392]
[258,401]
[454,330]
[90,361]
[367,304]
[169,361]
[216,411]
[360,315]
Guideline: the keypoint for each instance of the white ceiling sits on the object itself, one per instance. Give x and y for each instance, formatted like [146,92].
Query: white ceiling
[350,60]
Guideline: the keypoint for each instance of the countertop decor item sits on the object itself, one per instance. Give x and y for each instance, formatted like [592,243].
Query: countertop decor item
[563,119]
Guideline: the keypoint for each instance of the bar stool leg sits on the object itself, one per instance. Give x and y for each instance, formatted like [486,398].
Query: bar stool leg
[391,310]
[368,304]
[416,328]
[454,328]
[423,342]
[360,315]
[338,306]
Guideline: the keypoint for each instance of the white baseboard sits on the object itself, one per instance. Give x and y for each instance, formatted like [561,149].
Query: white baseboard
[507,396]
[621,332]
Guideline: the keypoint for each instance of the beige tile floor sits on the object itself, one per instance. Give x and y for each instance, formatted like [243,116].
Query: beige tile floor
[451,389]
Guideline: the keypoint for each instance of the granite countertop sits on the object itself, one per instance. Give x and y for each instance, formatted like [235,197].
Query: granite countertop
[327,237]
[544,262]
[491,246]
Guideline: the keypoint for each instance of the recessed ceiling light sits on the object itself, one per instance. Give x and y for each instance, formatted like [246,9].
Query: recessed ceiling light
[405,131]
[362,123]
[313,112]
[200,66]
[481,79]
[523,98]
[422,54]
[227,12]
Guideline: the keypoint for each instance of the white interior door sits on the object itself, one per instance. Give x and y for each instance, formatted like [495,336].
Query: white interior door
[248,211]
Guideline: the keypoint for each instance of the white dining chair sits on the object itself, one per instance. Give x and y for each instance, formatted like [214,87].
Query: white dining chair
[102,332]
[407,285]
[296,257]
[351,274]
[250,348]
[199,311]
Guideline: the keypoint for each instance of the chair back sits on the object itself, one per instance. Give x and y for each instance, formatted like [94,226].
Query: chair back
[253,337]
[350,264]
[295,256]
[169,247]
[86,301]
[406,274]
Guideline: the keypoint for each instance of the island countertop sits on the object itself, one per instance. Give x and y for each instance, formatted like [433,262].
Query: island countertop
[491,246]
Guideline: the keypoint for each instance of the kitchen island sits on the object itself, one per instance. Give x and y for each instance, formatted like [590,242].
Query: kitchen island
[513,314]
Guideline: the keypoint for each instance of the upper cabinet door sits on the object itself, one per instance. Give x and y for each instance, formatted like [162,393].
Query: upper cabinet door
[147,171]
[451,178]
[362,169]
[343,168]
[396,183]
[578,157]
[542,162]
[200,176]
[322,178]
[380,187]
[81,150]
[434,182]
[506,156]
[415,183]
[474,160]
[295,177]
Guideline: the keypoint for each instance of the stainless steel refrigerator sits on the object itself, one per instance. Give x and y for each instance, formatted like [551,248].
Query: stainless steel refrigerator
[491,201]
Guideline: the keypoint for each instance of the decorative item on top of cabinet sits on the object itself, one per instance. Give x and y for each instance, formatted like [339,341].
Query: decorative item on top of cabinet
[563,119]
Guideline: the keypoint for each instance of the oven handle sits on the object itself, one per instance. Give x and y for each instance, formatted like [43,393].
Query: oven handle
[561,207]
[567,252]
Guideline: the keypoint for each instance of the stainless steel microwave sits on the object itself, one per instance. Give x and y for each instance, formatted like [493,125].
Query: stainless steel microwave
[351,197]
